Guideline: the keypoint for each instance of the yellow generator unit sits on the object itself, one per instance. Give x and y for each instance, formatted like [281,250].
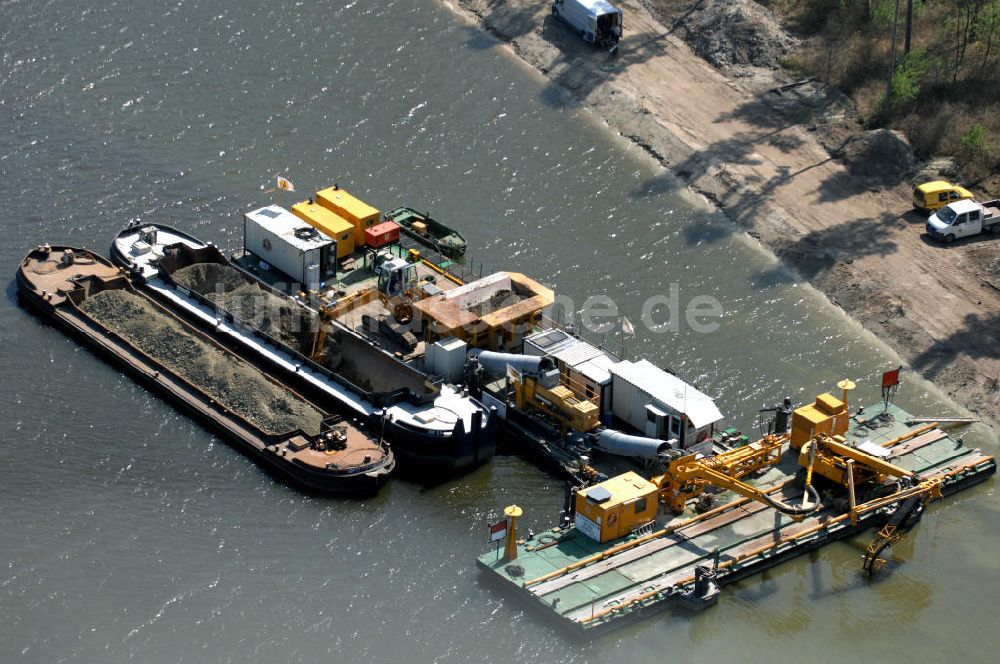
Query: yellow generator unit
[329,223]
[559,402]
[616,507]
[361,215]
[828,415]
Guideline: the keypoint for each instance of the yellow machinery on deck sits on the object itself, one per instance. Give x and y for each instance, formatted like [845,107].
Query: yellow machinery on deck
[397,289]
[851,468]
[687,477]
[616,507]
[827,415]
[822,450]
[572,412]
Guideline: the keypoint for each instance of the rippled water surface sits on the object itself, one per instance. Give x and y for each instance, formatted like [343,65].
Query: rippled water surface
[128,533]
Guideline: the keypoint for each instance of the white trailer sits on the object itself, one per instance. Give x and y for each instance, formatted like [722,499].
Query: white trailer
[287,243]
[596,21]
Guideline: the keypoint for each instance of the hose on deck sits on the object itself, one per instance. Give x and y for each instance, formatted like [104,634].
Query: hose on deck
[791,510]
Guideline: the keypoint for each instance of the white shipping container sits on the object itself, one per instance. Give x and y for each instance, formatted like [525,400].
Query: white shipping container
[655,401]
[289,244]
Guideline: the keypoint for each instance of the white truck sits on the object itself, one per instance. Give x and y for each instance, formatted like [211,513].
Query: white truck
[597,21]
[964,218]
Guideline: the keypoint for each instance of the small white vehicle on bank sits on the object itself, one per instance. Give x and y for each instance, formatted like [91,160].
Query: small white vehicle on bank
[597,21]
[963,219]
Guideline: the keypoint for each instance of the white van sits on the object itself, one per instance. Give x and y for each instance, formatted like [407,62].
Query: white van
[964,218]
[597,21]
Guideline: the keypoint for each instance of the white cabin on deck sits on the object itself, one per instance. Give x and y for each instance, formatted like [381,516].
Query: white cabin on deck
[661,405]
[287,243]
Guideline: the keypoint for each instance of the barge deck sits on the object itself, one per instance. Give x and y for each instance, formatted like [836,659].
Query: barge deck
[288,435]
[591,587]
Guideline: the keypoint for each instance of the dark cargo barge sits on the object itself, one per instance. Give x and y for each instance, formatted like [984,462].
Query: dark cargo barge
[286,433]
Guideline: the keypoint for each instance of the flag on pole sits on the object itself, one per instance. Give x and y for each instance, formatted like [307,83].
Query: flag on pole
[627,327]
[498,530]
[284,183]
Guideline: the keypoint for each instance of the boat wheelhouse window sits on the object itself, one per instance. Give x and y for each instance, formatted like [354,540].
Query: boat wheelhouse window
[640,506]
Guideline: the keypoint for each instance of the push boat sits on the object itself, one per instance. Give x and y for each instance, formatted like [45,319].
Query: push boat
[628,547]
[432,426]
[428,231]
[77,289]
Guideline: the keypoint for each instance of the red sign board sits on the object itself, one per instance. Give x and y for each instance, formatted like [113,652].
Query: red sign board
[890,378]
[498,530]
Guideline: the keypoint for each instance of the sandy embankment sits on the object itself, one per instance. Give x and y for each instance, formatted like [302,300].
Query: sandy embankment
[751,153]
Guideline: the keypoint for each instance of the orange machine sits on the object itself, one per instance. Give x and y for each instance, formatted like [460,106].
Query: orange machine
[361,215]
[827,415]
[329,223]
[616,507]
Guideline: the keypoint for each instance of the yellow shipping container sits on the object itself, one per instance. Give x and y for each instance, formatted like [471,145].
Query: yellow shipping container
[359,213]
[329,223]
[616,507]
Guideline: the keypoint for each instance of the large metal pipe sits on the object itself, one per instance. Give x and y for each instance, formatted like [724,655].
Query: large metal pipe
[636,447]
[532,366]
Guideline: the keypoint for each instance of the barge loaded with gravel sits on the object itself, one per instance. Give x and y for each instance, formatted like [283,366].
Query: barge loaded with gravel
[431,425]
[285,432]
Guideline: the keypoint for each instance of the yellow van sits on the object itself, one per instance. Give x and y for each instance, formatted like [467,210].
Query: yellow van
[932,196]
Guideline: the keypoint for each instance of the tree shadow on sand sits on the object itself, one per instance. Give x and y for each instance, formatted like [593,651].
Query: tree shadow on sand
[815,254]
[979,338]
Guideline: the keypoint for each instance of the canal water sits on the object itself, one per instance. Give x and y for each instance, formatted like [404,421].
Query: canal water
[128,533]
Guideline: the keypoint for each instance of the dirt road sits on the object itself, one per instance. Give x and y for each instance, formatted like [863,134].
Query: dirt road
[939,306]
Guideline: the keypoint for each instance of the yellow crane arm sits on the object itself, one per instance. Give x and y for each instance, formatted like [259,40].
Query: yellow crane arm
[686,477]
[725,482]
[873,462]
[320,339]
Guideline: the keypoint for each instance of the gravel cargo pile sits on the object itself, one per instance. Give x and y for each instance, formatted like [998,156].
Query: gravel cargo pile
[499,300]
[240,295]
[296,327]
[224,377]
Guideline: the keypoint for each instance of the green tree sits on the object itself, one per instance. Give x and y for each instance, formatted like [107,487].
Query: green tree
[908,76]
